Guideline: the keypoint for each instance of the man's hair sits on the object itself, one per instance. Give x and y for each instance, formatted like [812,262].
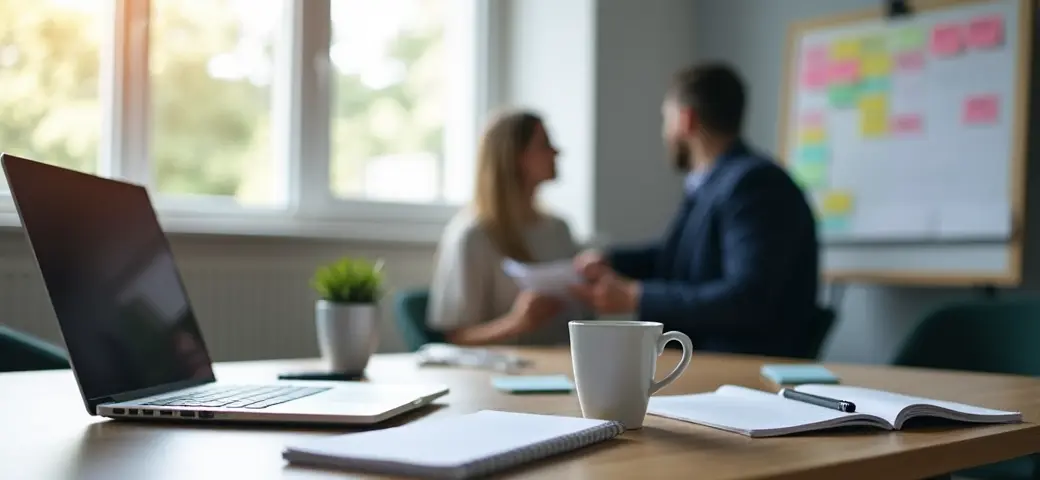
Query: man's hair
[716,92]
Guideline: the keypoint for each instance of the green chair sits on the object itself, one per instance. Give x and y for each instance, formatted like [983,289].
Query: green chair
[410,316]
[994,336]
[23,352]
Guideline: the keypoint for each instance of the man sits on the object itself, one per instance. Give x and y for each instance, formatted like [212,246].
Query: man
[737,270]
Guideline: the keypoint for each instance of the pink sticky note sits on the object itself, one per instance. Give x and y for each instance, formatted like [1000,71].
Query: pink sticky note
[986,31]
[907,123]
[910,61]
[947,40]
[812,119]
[816,56]
[814,78]
[845,71]
[981,110]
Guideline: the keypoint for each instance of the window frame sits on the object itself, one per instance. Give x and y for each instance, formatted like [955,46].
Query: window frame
[301,143]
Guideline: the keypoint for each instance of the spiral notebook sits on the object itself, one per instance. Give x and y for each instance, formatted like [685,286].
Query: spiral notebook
[465,446]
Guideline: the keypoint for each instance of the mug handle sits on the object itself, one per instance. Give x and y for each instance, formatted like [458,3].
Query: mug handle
[687,354]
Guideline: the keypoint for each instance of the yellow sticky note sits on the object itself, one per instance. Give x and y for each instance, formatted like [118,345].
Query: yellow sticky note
[837,203]
[877,65]
[873,115]
[873,102]
[812,135]
[873,124]
[846,49]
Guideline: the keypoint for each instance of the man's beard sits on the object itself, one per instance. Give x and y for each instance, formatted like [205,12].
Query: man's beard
[679,153]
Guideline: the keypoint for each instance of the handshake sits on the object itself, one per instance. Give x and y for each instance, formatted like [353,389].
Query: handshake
[587,278]
[604,290]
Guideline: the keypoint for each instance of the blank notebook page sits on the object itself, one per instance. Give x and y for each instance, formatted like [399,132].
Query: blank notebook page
[741,409]
[450,442]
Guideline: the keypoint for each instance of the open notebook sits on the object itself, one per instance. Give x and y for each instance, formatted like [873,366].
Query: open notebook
[464,446]
[760,414]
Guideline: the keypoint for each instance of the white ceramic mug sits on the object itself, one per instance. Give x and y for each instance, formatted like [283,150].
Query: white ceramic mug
[614,365]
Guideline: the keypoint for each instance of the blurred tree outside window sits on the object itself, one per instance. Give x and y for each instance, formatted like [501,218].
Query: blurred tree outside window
[211,69]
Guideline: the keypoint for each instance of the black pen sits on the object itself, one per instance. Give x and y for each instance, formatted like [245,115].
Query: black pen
[831,403]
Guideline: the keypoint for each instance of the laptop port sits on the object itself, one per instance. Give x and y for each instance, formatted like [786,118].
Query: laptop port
[205,414]
[165,413]
[118,411]
[132,411]
[188,414]
[146,413]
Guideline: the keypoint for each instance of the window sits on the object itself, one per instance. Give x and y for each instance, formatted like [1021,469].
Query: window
[291,112]
[388,107]
[49,69]
[210,66]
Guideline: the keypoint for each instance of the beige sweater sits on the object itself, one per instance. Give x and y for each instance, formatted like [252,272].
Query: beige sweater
[469,286]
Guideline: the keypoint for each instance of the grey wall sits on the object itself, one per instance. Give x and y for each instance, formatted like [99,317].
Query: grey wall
[873,320]
[630,84]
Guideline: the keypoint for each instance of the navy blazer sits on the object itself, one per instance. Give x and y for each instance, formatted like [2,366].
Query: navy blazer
[738,269]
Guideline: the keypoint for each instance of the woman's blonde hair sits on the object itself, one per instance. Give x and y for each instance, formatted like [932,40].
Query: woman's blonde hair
[499,199]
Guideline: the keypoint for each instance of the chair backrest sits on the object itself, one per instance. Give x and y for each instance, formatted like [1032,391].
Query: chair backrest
[997,336]
[821,327]
[410,316]
[23,352]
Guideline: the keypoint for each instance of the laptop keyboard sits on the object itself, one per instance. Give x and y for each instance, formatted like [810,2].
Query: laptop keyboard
[245,396]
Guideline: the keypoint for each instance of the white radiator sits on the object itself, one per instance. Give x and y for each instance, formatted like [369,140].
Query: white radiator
[252,301]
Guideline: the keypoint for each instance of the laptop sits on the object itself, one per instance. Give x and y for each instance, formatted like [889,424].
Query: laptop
[133,340]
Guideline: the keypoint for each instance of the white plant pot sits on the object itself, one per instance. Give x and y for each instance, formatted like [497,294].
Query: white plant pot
[348,334]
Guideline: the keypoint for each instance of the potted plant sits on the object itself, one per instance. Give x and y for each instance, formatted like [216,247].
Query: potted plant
[347,312]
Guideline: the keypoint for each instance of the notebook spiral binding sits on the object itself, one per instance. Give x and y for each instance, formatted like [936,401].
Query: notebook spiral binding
[538,451]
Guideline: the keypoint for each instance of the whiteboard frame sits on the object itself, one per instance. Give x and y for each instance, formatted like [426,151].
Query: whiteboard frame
[1012,273]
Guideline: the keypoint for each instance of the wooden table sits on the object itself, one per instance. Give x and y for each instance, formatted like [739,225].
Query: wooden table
[45,432]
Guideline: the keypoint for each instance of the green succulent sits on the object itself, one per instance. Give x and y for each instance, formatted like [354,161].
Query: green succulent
[349,280]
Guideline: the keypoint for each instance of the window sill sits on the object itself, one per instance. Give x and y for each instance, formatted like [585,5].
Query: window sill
[283,226]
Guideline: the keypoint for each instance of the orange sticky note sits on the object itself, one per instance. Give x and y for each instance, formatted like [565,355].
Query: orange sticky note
[986,32]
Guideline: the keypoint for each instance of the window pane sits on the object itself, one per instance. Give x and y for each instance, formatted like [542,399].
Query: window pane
[211,65]
[388,114]
[50,108]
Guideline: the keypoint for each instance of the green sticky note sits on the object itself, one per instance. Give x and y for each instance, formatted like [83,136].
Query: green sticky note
[834,225]
[875,44]
[876,85]
[909,38]
[810,175]
[812,154]
[842,96]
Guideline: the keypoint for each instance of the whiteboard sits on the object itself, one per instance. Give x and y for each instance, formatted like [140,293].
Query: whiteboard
[909,131]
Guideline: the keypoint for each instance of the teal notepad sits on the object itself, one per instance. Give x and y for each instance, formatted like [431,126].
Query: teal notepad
[533,383]
[797,374]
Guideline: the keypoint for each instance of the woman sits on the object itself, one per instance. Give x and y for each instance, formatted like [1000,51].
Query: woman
[471,300]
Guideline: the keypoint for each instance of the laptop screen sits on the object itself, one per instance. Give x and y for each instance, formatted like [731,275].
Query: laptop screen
[111,277]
